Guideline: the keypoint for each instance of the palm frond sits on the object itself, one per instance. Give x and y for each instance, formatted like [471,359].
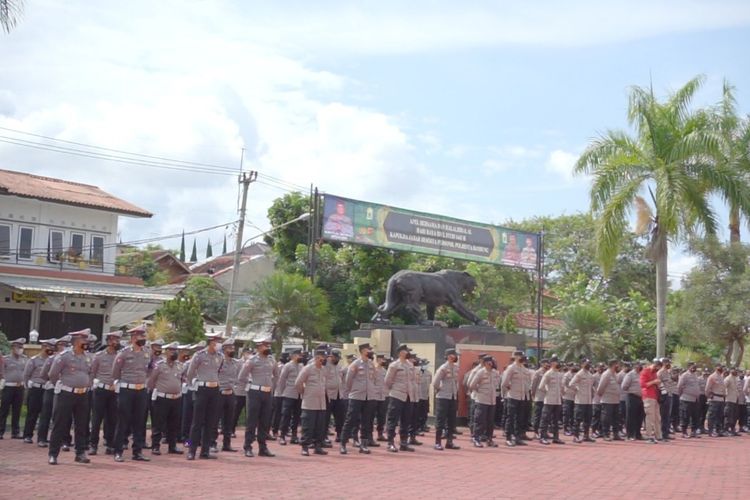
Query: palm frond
[612,223]
[10,12]
[680,100]
[644,216]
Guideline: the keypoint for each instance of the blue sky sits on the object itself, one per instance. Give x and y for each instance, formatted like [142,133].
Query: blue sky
[472,109]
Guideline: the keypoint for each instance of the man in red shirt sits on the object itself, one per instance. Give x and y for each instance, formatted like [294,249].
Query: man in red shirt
[650,392]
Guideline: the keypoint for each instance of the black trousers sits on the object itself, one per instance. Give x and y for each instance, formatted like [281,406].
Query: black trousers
[258,405]
[205,417]
[381,410]
[610,419]
[499,412]
[623,412]
[399,415]
[730,416]
[675,415]
[226,414]
[484,421]
[71,408]
[359,417]
[186,416]
[743,415]
[524,420]
[313,428]
[536,420]
[424,411]
[634,415]
[550,418]
[716,416]
[689,416]
[34,401]
[596,417]
[445,418]
[568,414]
[45,418]
[336,408]
[665,412]
[414,420]
[703,409]
[583,417]
[11,402]
[511,417]
[290,414]
[471,416]
[277,405]
[165,421]
[104,410]
[239,405]
[131,416]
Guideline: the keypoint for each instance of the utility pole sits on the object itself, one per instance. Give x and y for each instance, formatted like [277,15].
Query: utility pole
[245,179]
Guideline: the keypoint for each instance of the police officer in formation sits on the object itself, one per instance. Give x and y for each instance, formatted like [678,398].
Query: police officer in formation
[104,401]
[204,372]
[261,371]
[34,383]
[12,396]
[165,384]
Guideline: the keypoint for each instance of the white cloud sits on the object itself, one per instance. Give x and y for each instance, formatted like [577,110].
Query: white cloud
[561,163]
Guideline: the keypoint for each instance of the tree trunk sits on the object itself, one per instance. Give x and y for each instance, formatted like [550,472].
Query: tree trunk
[728,354]
[734,224]
[661,296]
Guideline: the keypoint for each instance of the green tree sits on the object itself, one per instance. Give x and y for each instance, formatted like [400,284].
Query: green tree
[209,250]
[10,11]
[284,241]
[713,308]
[139,263]
[668,157]
[184,314]
[4,344]
[182,247]
[287,304]
[211,298]
[583,334]
[194,254]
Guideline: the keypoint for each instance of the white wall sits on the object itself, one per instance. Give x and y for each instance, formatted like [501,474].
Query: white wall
[44,216]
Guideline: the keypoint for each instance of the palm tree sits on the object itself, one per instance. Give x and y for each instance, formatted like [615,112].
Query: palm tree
[10,11]
[670,158]
[582,334]
[733,134]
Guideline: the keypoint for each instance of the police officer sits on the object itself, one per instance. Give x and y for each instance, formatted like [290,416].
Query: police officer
[311,384]
[131,369]
[290,410]
[228,377]
[381,406]
[445,384]
[538,395]
[34,383]
[730,403]
[399,380]
[631,386]
[188,394]
[12,397]
[360,384]
[261,370]
[665,403]
[45,418]
[515,383]
[482,383]
[425,381]
[278,399]
[71,372]
[165,384]
[552,384]
[688,389]
[716,393]
[609,392]
[105,397]
[583,384]
[204,371]
[334,392]
[569,397]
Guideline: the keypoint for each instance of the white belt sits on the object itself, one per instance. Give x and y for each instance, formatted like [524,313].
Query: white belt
[168,396]
[48,386]
[74,390]
[13,384]
[108,387]
[207,384]
[135,387]
[34,385]
[261,388]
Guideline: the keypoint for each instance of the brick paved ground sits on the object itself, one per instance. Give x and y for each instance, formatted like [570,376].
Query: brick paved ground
[702,468]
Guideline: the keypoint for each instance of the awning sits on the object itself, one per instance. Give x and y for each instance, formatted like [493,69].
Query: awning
[129,293]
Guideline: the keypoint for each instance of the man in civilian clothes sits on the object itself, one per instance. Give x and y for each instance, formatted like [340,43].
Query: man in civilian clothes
[445,384]
[131,369]
[261,371]
[311,384]
[583,384]
[165,383]
[360,384]
[105,398]
[650,392]
[34,383]
[688,389]
[71,373]
[12,395]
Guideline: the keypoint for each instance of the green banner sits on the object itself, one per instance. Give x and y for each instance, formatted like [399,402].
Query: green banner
[354,221]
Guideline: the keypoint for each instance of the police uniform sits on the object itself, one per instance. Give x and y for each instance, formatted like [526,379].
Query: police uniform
[12,396]
[311,384]
[634,414]
[204,373]
[228,376]
[261,371]
[537,395]
[552,383]
[334,391]
[482,384]
[48,399]
[278,400]
[445,384]
[131,369]
[665,404]
[425,380]
[716,393]
[516,383]
[609,394]
[188,392]
[730,404]
[583,384]
[360,384]
[34,383]
[569,400]
[104,409]
[290,402]
[71,374]
[381,408]
[399,382]
[688,389]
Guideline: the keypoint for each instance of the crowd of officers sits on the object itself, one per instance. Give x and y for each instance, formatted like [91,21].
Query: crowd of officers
[194,393]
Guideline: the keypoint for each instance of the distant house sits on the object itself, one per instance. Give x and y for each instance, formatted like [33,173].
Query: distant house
[58,244]
[256,264]
[527,324]
[176,270]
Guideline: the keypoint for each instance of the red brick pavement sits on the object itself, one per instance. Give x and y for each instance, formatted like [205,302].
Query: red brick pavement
[702,468]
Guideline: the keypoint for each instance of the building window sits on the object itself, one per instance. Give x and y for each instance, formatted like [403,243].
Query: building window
[97,251]
[55,247]
[75,252]
[25,239]
[4,240]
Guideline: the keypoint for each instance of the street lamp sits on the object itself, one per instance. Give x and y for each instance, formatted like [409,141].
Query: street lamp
[236,267]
